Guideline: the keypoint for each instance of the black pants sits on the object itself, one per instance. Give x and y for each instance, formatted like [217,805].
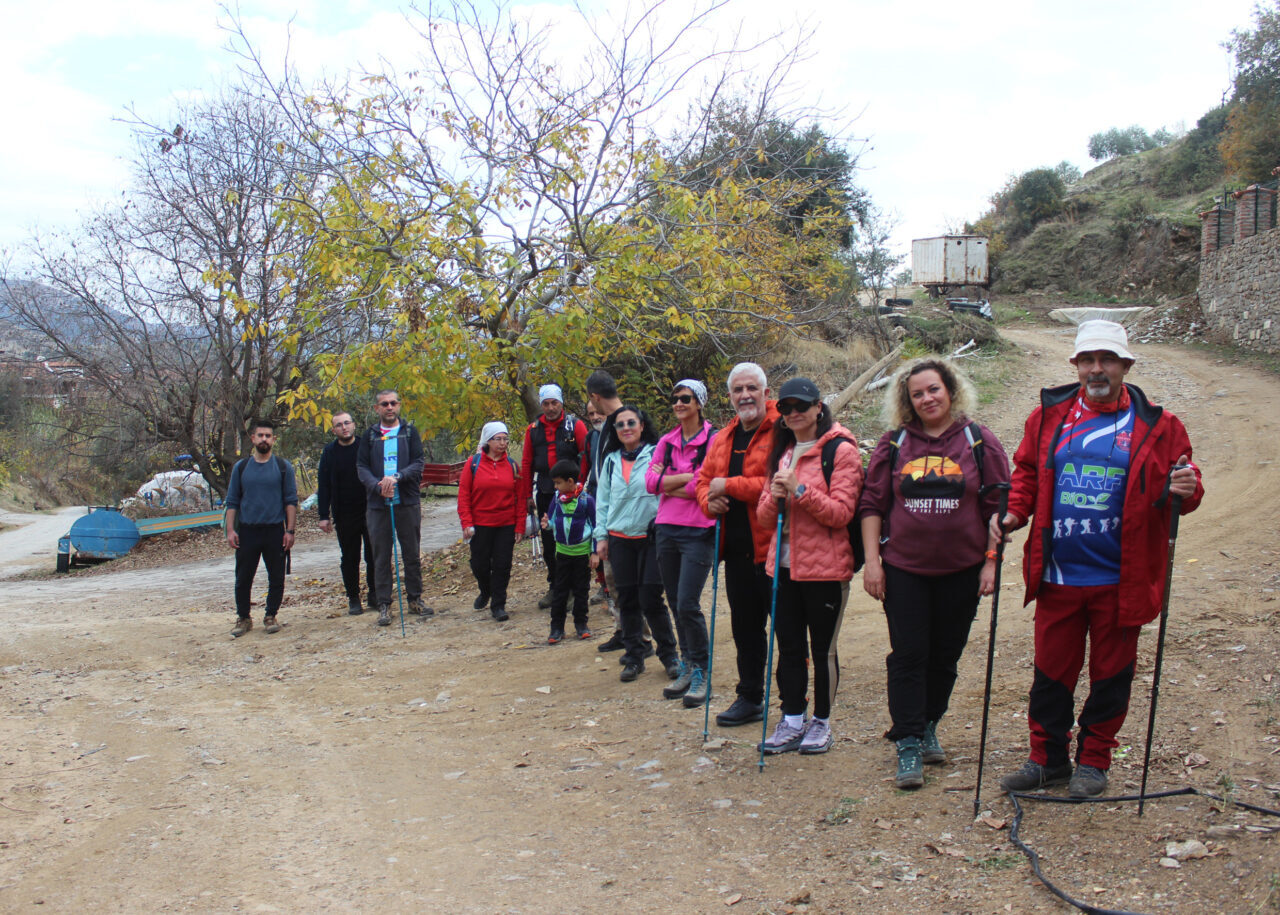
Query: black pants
[263,542]
[491,549]
[639,597]
[929,618]
[808,618]
[353,536]
[747,588]
[573,576]
[548,537]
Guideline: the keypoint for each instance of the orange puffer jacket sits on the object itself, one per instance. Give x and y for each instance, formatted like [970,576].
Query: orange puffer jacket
[820,548]
[755,471]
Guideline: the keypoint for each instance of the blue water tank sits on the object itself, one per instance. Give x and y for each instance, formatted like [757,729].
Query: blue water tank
[104,533]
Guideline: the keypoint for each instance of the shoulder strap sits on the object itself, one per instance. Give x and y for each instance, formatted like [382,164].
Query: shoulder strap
[475,463]
[895,444]
[829,455]
[237,472]
[973,432]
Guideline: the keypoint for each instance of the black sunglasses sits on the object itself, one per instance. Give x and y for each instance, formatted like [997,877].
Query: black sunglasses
[787,407]
[681,398]
[388,403]
[626,423]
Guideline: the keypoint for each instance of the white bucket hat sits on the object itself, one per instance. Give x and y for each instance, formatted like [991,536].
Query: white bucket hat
[1104,335]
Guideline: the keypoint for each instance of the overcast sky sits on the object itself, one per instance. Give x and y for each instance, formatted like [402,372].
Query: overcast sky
[951,97]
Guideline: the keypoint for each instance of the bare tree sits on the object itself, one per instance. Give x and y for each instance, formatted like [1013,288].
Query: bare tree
[193,303]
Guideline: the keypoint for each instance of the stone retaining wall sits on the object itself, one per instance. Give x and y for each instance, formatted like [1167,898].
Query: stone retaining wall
[1240,291]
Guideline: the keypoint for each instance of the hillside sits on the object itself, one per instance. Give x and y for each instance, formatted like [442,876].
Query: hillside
[1127,229]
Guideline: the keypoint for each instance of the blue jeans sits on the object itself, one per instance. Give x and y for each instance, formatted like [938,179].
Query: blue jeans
[684,558]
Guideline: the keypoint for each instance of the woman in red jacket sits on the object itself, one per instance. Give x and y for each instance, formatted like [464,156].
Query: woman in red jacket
[812,562]
[492,516]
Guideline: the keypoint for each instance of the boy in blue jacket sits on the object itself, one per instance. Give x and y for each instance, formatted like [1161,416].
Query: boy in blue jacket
[571,520]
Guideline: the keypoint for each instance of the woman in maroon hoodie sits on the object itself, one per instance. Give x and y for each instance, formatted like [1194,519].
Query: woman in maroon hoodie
[924,520]
[492,516]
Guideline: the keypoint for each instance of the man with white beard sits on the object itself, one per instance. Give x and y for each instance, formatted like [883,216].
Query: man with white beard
[732,477]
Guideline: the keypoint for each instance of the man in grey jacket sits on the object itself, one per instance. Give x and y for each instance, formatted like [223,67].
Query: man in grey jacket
[389,464]
[262,507]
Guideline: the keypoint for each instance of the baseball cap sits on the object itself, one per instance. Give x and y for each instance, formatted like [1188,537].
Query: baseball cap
[800,389]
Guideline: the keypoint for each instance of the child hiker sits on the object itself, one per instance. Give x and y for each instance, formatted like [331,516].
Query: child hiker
[571,520]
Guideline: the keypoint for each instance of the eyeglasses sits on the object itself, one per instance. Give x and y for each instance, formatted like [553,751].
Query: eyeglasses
[681,398]
[626,424]
[388,403]
[787,407]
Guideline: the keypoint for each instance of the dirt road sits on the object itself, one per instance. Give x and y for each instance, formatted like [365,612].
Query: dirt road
[150,763]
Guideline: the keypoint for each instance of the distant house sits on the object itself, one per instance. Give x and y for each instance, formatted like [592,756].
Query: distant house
[54,381]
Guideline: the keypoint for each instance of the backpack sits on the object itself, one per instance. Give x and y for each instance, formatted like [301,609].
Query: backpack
[701,451]
[475,465]
[237,472]
[854,527]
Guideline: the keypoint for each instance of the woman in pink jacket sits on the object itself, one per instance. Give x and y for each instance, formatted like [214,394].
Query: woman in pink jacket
[812,561]
[686,537]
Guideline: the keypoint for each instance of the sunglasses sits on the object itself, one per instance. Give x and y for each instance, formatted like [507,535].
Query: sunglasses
[626,424]
[787,407]
[681,398]
[388,403]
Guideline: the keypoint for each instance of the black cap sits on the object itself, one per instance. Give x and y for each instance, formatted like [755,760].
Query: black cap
[800,389]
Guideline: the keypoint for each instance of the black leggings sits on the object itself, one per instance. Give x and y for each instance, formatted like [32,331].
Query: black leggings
[808,618]
[929,618]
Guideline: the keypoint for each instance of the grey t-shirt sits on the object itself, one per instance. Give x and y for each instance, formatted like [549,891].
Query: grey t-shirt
[256,492]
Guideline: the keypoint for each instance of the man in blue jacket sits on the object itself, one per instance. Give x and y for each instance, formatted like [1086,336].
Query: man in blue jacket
[389,464]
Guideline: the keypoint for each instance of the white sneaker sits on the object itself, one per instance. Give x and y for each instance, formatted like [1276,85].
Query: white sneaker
[817,737]
[784,739]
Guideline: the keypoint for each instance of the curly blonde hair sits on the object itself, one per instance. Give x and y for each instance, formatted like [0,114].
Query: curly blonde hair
[897,410]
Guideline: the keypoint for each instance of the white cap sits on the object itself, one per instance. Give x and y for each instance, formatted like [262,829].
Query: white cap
[550,392]
[1102,335]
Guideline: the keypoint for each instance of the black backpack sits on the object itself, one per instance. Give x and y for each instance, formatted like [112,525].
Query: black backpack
[475,463]
[854,527]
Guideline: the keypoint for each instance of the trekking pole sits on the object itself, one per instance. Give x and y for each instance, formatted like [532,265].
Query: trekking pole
[773,615]
[1003,489]
[395,561]
[1175,506]
[711,648]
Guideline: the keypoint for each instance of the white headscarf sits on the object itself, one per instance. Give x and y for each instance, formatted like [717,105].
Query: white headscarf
[696,388]
[489,431]
[550,392]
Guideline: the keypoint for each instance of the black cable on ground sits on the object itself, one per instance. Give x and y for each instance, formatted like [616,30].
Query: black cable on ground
[1017,796]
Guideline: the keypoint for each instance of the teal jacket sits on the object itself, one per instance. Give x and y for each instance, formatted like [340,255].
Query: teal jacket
[624,507]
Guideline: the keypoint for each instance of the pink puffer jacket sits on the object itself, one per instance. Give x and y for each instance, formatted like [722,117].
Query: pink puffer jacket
[820,549]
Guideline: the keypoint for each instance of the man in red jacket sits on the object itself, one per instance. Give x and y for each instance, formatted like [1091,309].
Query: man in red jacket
[1092,475]
[553,436]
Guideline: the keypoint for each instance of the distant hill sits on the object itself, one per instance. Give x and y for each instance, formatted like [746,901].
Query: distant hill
[1128,228]
[19,340]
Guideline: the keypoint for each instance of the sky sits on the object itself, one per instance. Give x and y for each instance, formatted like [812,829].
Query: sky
[946,100]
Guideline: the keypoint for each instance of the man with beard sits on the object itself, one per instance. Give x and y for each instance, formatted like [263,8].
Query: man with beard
[389,464]
[339,491]
[262,506]
[732,477]
[1092,475]
[553,436]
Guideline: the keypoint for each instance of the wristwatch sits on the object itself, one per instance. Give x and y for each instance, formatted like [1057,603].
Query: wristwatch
[800,490]
[288,530]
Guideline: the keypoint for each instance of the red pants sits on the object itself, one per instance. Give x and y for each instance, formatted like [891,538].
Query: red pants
[1065,615]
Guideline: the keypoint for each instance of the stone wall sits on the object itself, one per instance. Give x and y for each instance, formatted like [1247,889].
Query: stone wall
[1240,291]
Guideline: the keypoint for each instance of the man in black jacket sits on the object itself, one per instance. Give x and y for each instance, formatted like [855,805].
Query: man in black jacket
[389,464]
[340,491]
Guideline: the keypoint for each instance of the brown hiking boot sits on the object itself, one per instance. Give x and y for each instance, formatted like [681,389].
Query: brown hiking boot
[243,625]
[269,624]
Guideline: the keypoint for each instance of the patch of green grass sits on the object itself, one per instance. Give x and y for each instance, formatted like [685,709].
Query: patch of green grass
[996,862]
[842,812]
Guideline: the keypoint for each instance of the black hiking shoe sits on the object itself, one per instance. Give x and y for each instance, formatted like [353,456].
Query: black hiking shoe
[499,614]
[482,600]
[1033,776]
[555,636]
[544,602]
[354,607]
[673,666]
[1087,781]
[910,764]
[742,711]
[613,644]
[631,670]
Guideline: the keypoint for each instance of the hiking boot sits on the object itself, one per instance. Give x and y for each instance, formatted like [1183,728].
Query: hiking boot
[680,685]
[613,644]
[631,670]
[584,633]
[1032,776]
[243,625]
[673,666]
[910,764]
[648,652]
[499,614]
[930,750]
[817,737]
[1088,781]
[481,601]
[699,689]
[384,614]
[784,739]
[599,597]
[354,607]
[742,711]
[544,602]
[555,636]
[418,608]
[270,624]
